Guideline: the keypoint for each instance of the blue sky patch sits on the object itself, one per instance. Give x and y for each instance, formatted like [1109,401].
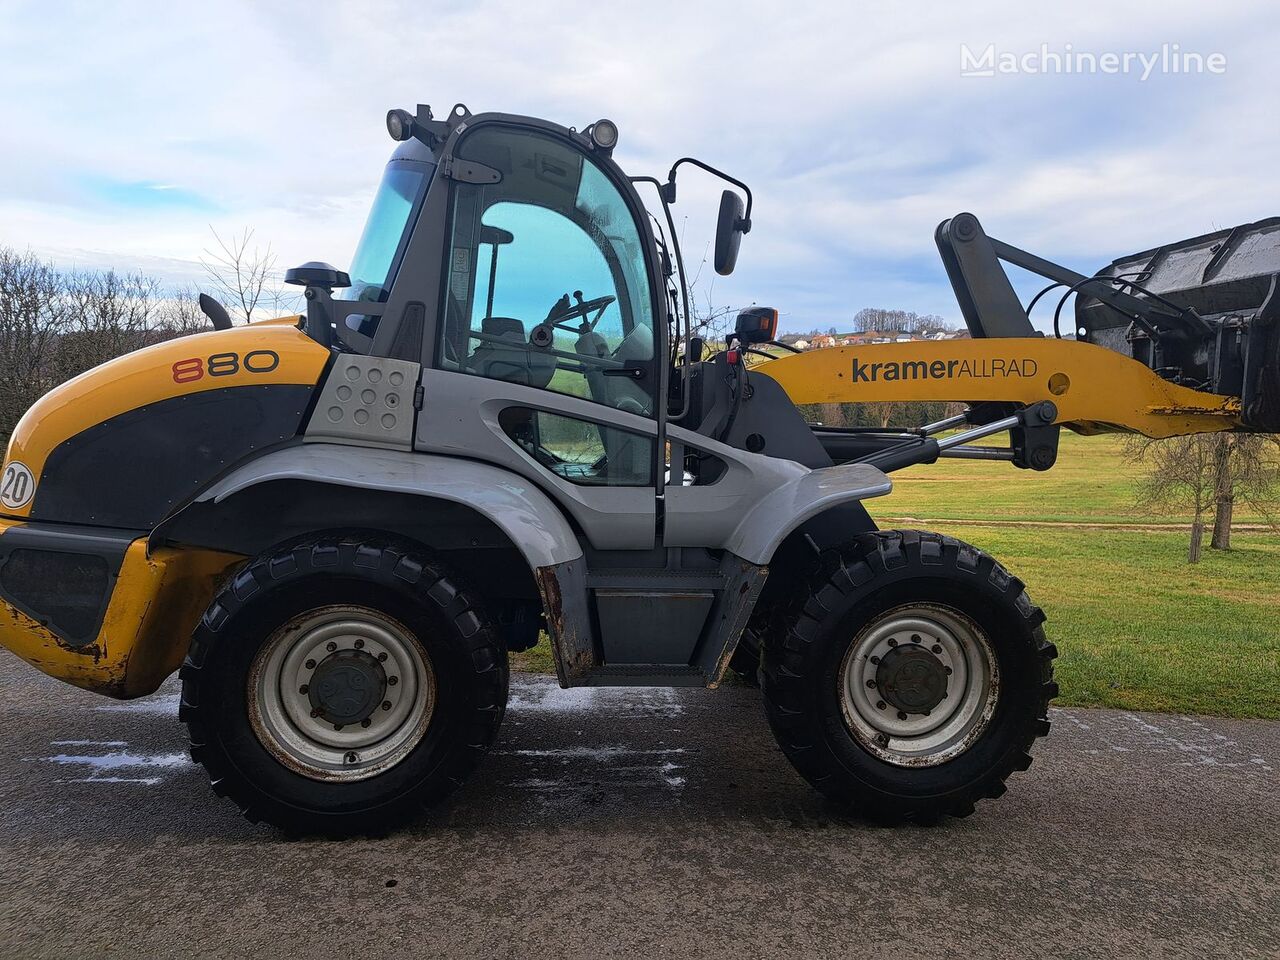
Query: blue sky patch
[146,195]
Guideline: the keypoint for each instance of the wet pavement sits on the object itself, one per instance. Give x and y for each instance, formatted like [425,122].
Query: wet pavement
[652,823]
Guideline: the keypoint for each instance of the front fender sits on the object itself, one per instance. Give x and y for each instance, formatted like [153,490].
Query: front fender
[771,518]
[528,517]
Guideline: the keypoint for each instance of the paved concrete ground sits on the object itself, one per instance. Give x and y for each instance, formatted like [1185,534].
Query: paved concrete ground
[639,823]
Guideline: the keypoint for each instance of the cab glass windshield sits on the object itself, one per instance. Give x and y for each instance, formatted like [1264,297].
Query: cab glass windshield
[386,231]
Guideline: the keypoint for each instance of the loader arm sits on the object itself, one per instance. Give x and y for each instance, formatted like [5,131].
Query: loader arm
[1176,340]
[1095,390]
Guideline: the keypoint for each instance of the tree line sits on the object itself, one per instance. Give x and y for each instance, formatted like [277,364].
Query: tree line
[55,324]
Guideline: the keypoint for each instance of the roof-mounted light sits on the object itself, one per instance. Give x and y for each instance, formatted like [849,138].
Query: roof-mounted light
[400,124]
[604,134]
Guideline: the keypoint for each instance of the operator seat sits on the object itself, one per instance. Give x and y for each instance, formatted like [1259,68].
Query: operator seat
[515,363]
[630,456]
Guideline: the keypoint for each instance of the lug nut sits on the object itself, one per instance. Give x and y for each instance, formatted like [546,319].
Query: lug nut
[359,643]
[902,714]
[331,646]
[352,757]
[311,664]
[386,704]
[365,722]
[382,657]
[315,712]
[871,683]
[915,638]
[949,670]
[393,680]
[937,648]
[875,659]
[893,642]
[879,704]
[304,688]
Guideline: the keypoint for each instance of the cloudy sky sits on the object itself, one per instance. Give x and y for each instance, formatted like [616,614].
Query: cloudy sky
[131,129]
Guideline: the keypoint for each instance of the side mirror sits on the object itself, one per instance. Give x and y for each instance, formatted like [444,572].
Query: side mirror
[756,325]
[730,226]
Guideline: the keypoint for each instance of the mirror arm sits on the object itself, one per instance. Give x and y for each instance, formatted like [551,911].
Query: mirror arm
[669,188]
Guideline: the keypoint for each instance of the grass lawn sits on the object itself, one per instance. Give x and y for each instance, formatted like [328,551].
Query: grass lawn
[1136,627]
[1091,482]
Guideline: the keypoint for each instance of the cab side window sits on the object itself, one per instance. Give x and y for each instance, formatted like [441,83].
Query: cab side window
[580,451]
[548,284]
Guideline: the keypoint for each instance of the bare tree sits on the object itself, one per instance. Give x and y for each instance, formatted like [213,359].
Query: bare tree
[241,273]
[878,319]
[179,314]
[883,412]
[110,315]
[1246,468]
[1207,471]
[33,317]
[708,320]
[56,325]
[1179,476]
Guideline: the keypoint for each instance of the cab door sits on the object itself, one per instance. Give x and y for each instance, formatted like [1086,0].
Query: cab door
[547,360]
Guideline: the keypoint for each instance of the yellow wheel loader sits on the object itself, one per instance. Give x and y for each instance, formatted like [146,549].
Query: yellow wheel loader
[497,424]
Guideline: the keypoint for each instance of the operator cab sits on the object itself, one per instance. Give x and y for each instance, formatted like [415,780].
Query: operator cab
[515,250]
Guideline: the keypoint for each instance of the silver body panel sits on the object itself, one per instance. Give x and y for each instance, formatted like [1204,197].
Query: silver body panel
[459,418]
[532,521]
[748,511]
[366,400]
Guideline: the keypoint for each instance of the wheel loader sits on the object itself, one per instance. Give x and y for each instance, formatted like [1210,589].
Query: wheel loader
[498,423]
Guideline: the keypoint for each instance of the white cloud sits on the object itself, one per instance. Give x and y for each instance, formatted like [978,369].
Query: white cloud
[850,121]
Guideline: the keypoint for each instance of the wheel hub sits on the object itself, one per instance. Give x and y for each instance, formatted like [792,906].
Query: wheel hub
[912,679]
[918,684]
[347,687]
[341,692]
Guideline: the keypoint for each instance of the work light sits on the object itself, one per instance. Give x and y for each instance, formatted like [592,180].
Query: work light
[399,124]
[604,134]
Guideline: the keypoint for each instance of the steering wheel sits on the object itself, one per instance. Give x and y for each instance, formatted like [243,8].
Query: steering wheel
[564,311]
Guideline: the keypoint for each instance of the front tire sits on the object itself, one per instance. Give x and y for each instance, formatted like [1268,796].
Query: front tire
[913,678]
[338,685]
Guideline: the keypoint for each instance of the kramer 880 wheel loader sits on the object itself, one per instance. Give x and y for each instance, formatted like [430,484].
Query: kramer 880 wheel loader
[497,424]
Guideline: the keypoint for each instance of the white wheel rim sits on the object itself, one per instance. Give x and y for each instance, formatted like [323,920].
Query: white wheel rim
[375,676]
[956,648]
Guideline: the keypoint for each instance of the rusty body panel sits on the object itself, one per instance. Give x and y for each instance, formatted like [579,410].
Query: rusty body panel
[746,580]
[563,588]
[156,601]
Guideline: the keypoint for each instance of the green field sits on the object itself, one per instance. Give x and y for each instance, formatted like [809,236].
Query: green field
[1136,627]
[1091,483]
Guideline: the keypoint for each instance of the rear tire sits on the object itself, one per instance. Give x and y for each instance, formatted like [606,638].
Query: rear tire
[912,680]
[338,685]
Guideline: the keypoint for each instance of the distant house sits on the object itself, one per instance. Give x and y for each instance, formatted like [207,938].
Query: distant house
[821,342]
[799,344]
